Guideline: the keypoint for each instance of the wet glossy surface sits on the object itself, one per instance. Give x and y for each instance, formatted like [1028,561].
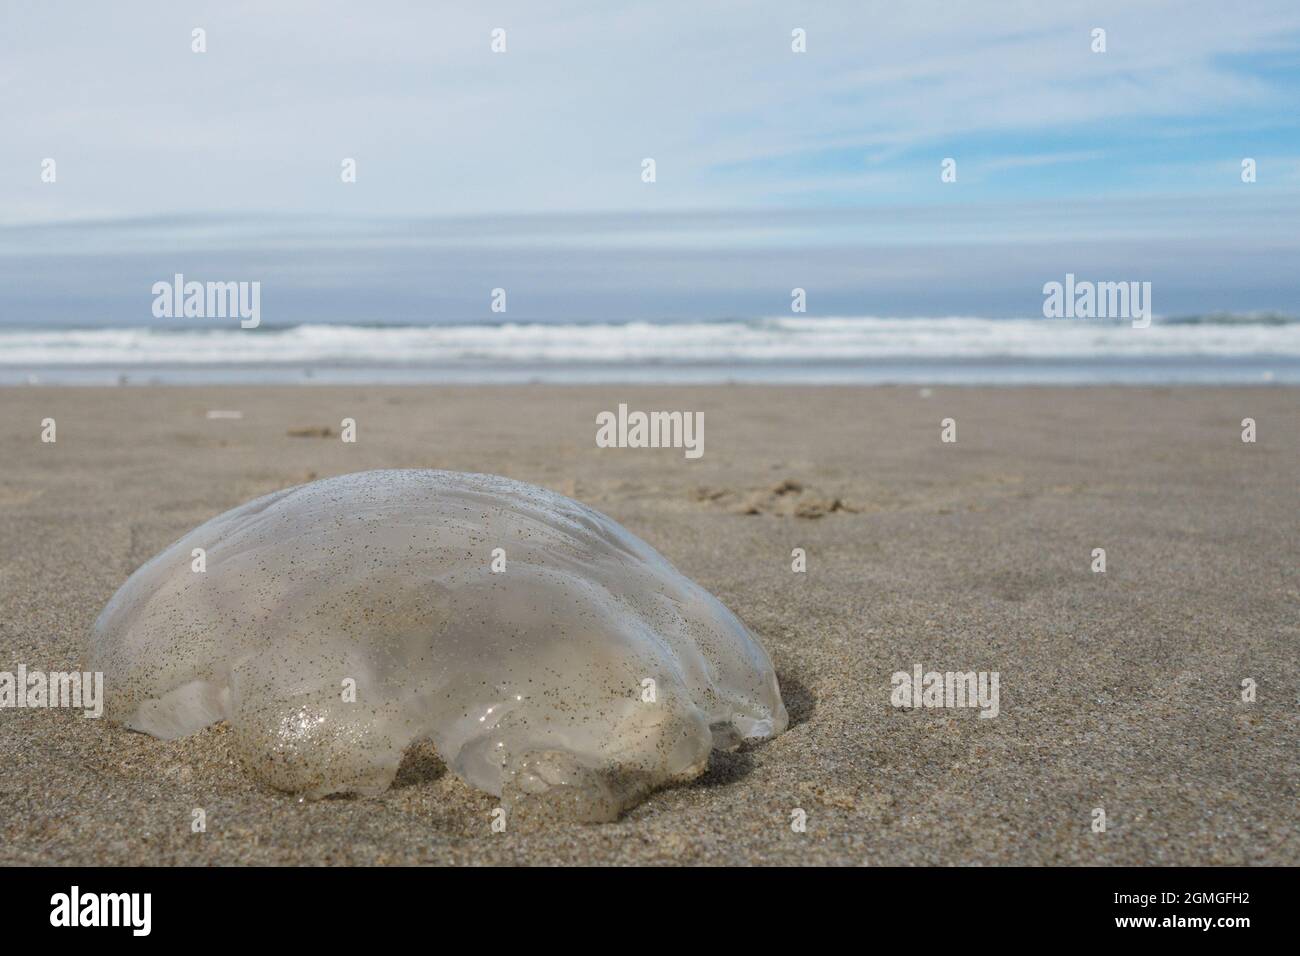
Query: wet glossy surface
[533,683]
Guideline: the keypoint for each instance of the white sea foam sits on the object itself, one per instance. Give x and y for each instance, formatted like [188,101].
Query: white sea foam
[786,339]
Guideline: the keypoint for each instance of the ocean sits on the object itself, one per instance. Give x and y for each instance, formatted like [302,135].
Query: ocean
[1227,349]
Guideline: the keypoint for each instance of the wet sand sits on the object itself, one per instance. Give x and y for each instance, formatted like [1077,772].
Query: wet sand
[1119,691]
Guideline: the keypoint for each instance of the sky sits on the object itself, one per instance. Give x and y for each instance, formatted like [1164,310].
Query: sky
[773,168]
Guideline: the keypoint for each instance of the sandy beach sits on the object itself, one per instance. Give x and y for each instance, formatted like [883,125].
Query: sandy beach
[1119,690]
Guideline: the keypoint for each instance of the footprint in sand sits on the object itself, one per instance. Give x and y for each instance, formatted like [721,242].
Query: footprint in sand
[788,498]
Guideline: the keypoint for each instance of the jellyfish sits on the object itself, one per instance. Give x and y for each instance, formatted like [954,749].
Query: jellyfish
[551,657]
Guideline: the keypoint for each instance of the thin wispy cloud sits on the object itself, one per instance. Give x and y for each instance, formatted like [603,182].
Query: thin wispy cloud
[774,168]
[1041,159]
[440,125]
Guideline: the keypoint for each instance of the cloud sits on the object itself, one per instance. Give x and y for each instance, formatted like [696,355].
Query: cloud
[1230,253]
[775,169]
[439,125]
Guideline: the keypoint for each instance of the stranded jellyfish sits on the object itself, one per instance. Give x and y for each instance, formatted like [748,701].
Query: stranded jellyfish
[551,657]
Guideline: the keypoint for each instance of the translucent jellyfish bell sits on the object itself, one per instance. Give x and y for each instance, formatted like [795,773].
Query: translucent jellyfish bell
[339,622]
